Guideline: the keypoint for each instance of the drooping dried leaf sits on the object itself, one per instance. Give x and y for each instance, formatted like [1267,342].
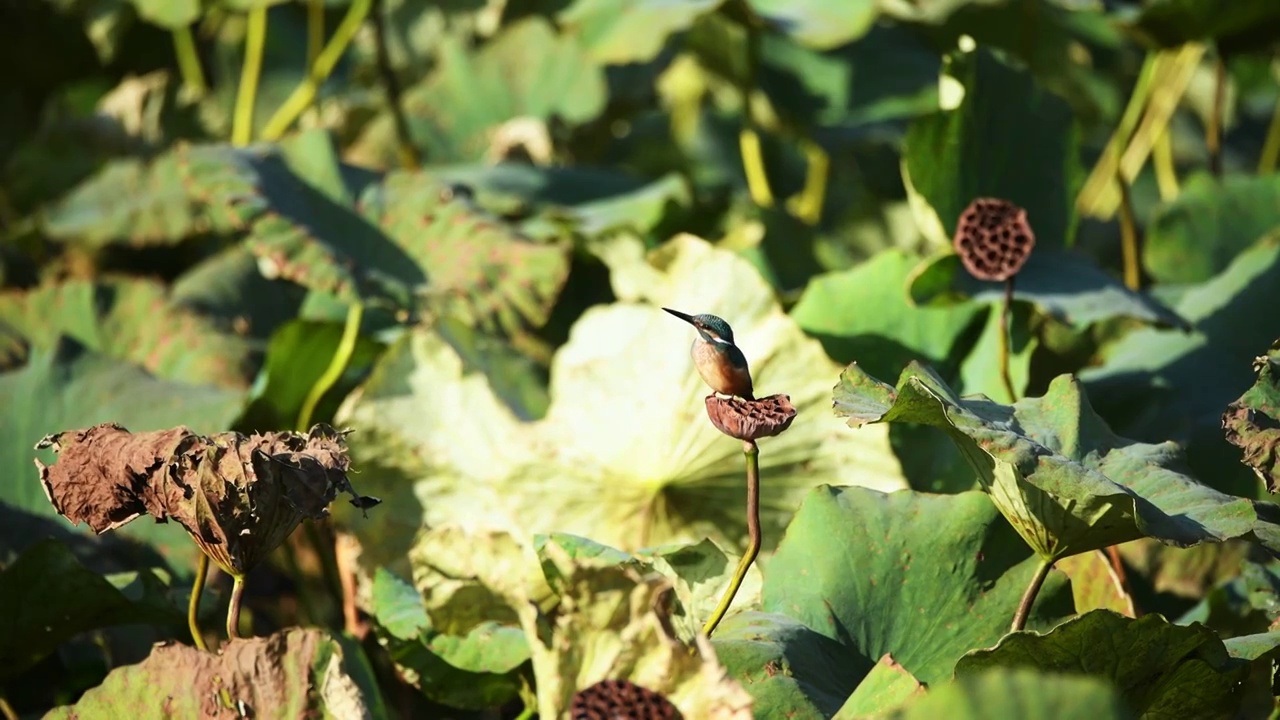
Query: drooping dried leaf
[1252,422]
[238,497]
[295,673]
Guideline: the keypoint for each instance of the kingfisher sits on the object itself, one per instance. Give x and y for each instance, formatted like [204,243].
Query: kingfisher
[720,363]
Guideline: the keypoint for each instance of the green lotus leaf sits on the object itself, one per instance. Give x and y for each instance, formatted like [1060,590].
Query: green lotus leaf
[1061,284]
[476,103]
[633,31]
[1157,384]
[1160,669]
[1171,23]
[1058,472]
[1009,138]
[924,578]
[1210,222]
[133,320]
[887,687]
[625,454]
[789,669]
[864,314]
[161,202]
[168,14]
[50,597]
[1022,693]
[476,670]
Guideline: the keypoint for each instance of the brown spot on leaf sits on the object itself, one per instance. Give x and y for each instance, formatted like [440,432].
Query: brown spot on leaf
[239,497]
[751,419]
[993,239]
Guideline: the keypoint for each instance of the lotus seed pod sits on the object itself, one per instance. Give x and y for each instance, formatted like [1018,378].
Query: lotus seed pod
[751,419]
[620,699]
[993,239]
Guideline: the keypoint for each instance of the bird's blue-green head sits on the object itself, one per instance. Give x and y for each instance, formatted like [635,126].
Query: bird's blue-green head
[710,327]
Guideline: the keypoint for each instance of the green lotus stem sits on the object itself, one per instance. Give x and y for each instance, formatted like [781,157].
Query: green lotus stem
[301,97]
[1213,133]
[193,605]
[752,453]
[254,41]
[1033,589]
[1271,145]
[315,30]
[1129,238]
[808,203]
[184,47]
[233,607]
[1162,163]
[1003,335]
[527,712]
[749,138]
[409,156]
[341,356]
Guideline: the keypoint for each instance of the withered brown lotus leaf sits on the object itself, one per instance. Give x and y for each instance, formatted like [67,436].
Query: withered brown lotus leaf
[615,699]
[239,497]
[751,419]
[993,239]
[106,476]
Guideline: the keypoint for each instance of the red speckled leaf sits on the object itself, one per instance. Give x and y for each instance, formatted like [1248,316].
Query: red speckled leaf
[480,268]
[133,320]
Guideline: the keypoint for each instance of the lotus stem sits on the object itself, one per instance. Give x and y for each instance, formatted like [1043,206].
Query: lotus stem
[6,710]
[184,47]
[233,607]
[1213,133]
[341,357]
[752,453]
[1129,238]
[409,156]
[1271,145]
[807,205]
[1003,335]
[193,605]
[1162,163]
[301,97]
[254,41]
[1033,589]
[749,138]
[315,30]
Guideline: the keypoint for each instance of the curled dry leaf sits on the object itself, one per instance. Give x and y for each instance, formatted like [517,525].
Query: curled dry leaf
[751,419]
[993,239]
[239,497]
[1252,422]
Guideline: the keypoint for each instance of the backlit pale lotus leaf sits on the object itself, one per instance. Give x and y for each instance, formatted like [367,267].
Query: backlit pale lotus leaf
[611,624]
[625,454]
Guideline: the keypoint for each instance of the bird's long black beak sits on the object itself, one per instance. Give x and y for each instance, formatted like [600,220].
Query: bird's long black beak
[682,316]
